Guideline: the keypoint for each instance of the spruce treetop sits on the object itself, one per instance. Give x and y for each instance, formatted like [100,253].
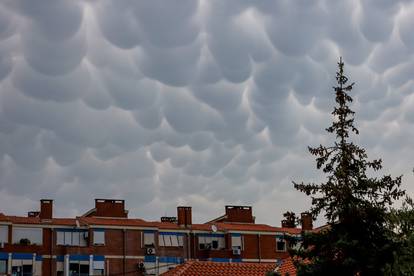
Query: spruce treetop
[346,164]
[356,205]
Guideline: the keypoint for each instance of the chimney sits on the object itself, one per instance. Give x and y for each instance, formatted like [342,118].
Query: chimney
[242,214]
[110,208]
[307,221]
[184,215]
[46,209]
[285,224]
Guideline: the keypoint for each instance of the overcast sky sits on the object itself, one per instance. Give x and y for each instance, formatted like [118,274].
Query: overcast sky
[201,103]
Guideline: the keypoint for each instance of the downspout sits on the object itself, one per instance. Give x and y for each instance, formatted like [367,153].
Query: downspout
[259,248]
[188,246]
[194,245]
[51,252]
[124,259]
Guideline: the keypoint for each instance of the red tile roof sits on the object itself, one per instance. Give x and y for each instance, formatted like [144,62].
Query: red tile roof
[122,222]
[3,217]
[37,220]
[287,268]
[84,221]
[115,222]
[194,268]
[231,226]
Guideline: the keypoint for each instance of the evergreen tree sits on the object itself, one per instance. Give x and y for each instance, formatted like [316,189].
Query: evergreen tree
[290,220]
[402,222]
[357,240]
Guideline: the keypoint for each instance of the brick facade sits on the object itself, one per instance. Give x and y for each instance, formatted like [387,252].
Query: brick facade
[104,241]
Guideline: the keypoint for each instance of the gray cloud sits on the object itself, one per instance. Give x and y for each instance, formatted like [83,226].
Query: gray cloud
[204,103]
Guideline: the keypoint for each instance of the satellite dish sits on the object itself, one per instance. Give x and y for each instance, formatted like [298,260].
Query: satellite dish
[214,228]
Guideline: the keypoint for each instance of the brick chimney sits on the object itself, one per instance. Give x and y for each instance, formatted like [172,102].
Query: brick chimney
[286,224]
[110,208]
[307,221]
[184,216]
[46,209]
[243,214]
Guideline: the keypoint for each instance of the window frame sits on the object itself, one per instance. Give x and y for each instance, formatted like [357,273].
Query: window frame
[279,240]
[237,236]
[170,239]
[145,244]
[4,233]
[98,233]
[5,267]
[205,242]
[39,231]
[64,235]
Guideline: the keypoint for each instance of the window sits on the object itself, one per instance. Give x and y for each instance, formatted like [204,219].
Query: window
[22,270]
[77,269]
[98,272]
[71,237]
[26,235]
[280,244]
[149,239]
[59,268]
[170,239]
[297,243]
[3,266]
[98,267]
[98,237]
[214,242]
[68,238]
[4,233]
[236,241]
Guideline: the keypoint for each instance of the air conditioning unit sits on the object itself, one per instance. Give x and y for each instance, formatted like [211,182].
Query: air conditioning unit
[150,251]
[236,251]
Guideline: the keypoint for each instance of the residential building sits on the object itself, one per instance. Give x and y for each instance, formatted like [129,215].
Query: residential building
[105,241]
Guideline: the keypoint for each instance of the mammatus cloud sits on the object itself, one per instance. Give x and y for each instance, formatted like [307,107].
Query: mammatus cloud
[203,103]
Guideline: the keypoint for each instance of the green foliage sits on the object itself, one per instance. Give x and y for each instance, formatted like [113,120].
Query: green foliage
[402,222]
[272,273]
[290,221]
[357,240]
[24,241]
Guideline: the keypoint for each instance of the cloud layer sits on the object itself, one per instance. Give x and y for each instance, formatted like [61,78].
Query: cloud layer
[203,103]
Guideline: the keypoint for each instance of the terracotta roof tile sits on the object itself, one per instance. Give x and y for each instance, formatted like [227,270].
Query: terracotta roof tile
[194,268]
[287,268]
[221,226]
[226,226]
[3,217]
[115,222]
[37,220]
